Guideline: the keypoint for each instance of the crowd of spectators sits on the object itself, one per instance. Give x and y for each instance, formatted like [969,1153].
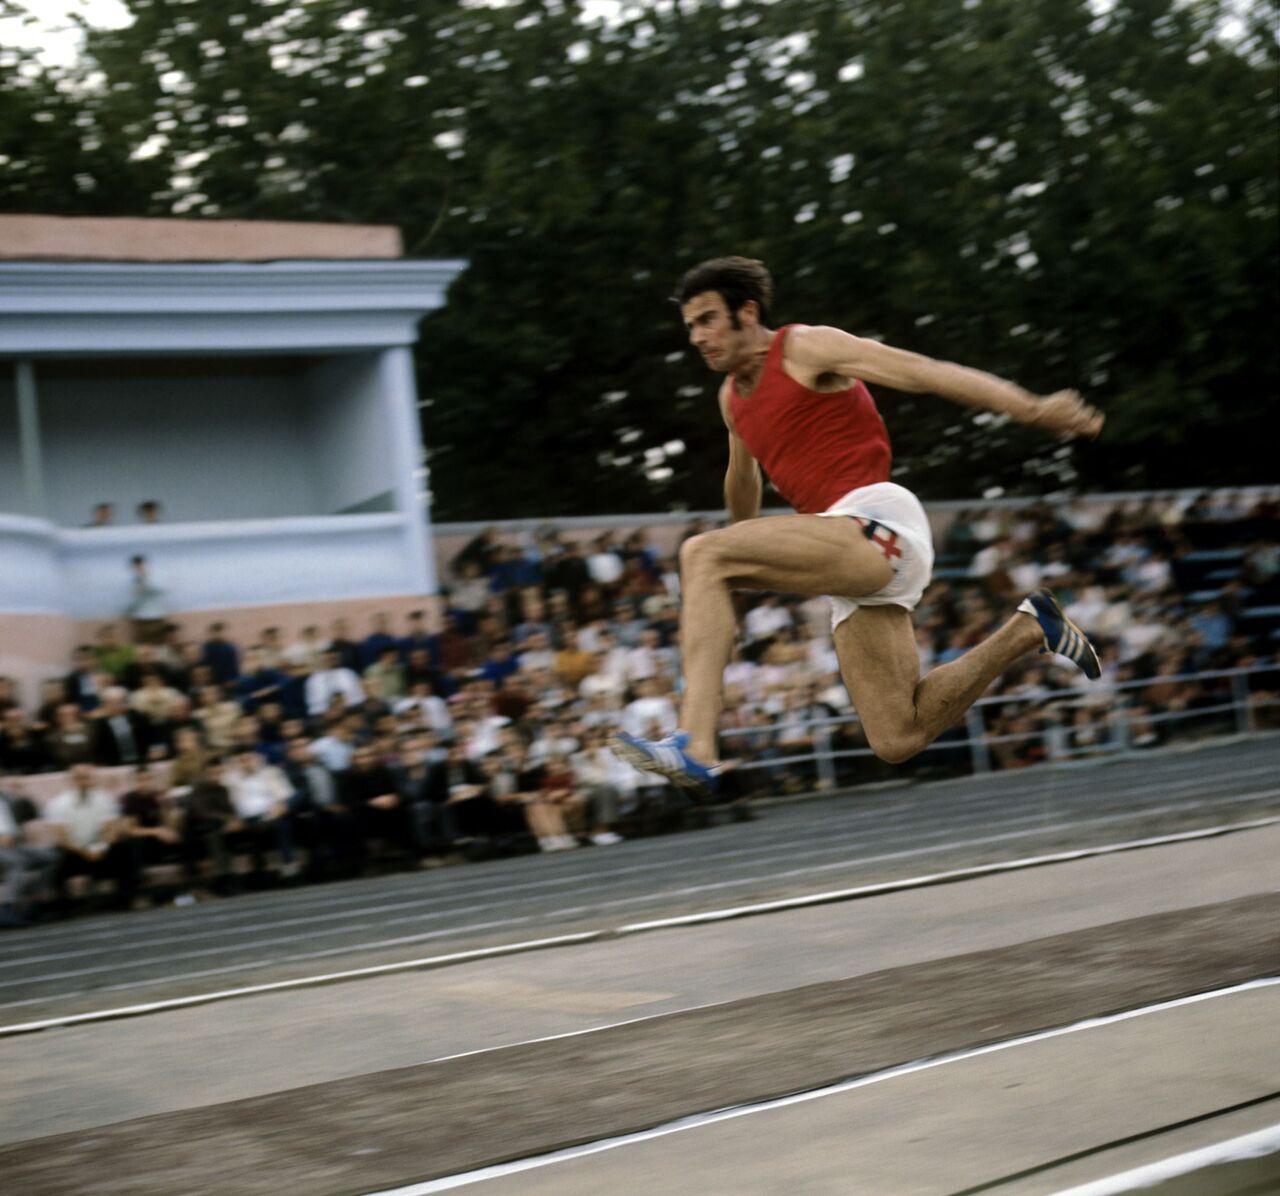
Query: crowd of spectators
[318,755]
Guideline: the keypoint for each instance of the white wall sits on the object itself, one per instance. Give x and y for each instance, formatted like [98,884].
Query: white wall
[228,564]
[350,434]
[228,444]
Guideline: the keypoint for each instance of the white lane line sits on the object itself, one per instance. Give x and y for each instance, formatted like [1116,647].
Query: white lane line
[846,864]
[73,1019]
[827,897]
[699,1120]
[1257,1145]
[936,878]
[320,907]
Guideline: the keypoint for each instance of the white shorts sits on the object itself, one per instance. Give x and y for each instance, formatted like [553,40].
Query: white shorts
[897,510]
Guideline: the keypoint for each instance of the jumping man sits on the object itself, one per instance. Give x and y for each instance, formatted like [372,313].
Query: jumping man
[795,402]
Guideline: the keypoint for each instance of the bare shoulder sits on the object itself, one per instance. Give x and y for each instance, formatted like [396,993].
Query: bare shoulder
[820,357]
[817,345]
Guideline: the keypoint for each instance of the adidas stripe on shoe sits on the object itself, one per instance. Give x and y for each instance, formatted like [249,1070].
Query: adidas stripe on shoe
[668,758]
[1061,635]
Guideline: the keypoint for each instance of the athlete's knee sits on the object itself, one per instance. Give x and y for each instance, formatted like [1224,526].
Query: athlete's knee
[699,553]
[896,745]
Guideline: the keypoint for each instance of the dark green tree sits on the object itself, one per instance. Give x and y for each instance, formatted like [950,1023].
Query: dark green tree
[1062,197]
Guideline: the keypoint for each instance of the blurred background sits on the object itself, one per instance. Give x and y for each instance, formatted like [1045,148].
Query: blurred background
[348,436]
[1069,193]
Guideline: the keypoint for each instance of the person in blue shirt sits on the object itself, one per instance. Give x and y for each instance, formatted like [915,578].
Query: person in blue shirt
[380,640]
[220,655]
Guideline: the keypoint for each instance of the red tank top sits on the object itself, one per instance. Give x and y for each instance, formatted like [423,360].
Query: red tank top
[815,447]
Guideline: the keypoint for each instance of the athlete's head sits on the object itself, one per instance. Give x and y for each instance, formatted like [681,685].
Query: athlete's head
[724,302]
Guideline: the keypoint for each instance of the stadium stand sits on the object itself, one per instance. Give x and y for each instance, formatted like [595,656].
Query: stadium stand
[190,767]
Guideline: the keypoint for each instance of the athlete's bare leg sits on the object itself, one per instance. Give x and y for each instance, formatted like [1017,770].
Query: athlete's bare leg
[902,713]
[790,554]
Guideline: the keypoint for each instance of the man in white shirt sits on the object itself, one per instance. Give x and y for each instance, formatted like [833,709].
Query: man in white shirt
[604,564]
[260,793]
[90,841]
[650,659]
[330,681]
[650,716]
[306,650]
[432,710]
[766,619]
[607,782]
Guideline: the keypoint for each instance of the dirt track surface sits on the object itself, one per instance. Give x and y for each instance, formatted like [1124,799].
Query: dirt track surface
[394,1127]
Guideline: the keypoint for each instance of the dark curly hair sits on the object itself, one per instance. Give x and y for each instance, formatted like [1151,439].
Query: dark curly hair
[737,279]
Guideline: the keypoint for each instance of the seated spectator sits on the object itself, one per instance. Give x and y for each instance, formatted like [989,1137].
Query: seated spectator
[90,838]
[573,663]
[604,565]
[155,700]
[348,650]
[451,784]
[293,691]
[371,708]
[558,807]
[149,821]
[258,682]
[190,758]
[104,515]
[147,658]
[511,803]
[419,638]
[260,793]
[22,748]
[307,650]
[52,696]
[418,667]
[650,715]
[432,710]
[110,655]
[81,683]
[500,663]
[271,649]
[386,675]
[535,652]
[218,716]
[149,511]
[321,823]
[457,650]
[120,735]
[1087,734]
[211,822]
[26,869]
[332,680]
[221,655]
[71,739]
[369,791]
[272,731]
[335,748]
[606,784]
[431,821]
[378,642]
[763,622]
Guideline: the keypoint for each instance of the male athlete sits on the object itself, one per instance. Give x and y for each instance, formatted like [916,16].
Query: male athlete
[795,402]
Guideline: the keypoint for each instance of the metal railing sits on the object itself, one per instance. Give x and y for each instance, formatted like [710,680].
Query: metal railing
[1225,704]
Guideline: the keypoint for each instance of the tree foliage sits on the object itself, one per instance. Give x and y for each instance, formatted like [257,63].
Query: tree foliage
[1060,194]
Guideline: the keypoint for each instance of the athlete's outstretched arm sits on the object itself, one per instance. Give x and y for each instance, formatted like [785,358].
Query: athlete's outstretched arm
[742,482]
[829,350]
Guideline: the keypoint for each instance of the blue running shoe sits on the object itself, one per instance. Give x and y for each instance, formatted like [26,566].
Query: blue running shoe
[668,758]
[1061,635]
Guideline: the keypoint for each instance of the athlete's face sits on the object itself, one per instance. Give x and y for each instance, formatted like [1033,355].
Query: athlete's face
[711,331]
